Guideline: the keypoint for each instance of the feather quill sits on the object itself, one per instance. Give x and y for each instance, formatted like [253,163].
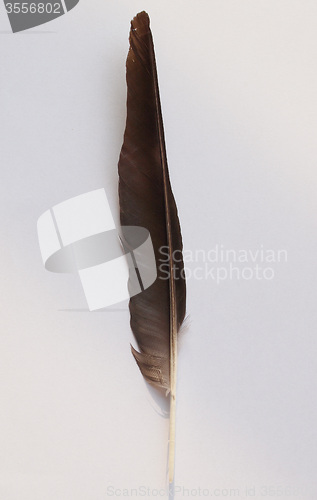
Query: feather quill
[146,200]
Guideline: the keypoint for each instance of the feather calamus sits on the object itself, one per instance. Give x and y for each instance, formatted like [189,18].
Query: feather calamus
[146,200]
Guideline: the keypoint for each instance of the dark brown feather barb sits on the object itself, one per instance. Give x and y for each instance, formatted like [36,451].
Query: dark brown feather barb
[146,200]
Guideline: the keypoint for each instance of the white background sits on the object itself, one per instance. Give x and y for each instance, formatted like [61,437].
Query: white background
[238,90]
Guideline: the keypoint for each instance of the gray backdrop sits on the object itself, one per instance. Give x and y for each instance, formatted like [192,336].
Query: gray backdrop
[238,91]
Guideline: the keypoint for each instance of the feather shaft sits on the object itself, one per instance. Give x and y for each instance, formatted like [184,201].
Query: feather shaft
[146,200]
